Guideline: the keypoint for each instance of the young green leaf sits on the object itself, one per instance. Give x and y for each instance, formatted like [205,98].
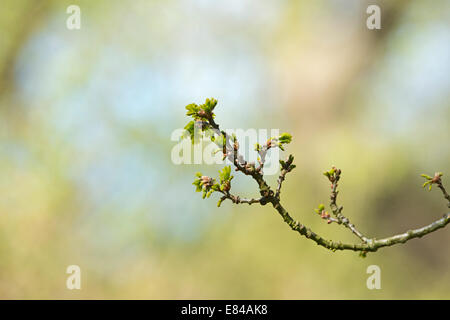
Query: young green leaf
[285,138]
[224,175]
[209,105]
[192,109]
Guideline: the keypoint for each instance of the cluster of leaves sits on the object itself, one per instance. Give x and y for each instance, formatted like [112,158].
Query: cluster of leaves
[280,141]
[202,124]
[208,185]
[285,138]
[287,165]
[332,174]
[320,210]
[225,182]
[192,133]
[203,111]
[431,180]
[225,178]
[205,184]
[201,114]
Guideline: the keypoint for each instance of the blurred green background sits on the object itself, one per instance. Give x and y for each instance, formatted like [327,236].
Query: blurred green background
[86,118]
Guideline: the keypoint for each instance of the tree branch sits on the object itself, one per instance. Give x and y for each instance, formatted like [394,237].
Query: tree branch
[286,167]
[334,175]
[239,200]
[371,245]
[230,148]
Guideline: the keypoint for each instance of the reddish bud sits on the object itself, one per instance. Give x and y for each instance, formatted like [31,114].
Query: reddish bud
[202,113]
[436,178]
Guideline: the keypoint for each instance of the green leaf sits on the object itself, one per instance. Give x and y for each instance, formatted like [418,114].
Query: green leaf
[209,105]
[192,132]
[202,112]
[290,159]
[224,175]
[192,109]
[190,127]
[285,138]
[197,184]
[426,176]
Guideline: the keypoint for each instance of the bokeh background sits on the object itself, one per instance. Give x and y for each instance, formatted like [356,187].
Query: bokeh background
[86,118]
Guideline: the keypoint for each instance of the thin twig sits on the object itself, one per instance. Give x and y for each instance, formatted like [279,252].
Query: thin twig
[446,195]
[337,211]
[238,200]
[280,182]
[371,245]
